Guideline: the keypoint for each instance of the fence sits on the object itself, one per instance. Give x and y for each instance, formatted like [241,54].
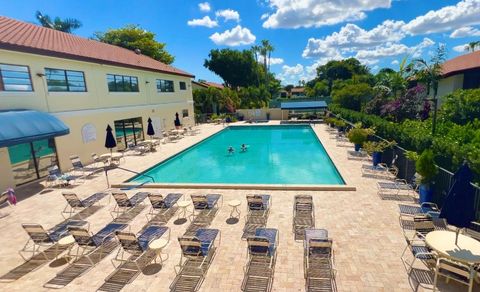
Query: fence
[406,170]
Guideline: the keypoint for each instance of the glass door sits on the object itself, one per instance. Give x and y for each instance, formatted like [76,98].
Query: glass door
[128,132]
[31,161]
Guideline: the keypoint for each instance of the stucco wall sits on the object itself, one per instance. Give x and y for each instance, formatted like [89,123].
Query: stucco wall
[449,85]
[261,114]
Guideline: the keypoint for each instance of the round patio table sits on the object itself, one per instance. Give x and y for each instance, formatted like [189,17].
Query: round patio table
[467,249]
[157,245]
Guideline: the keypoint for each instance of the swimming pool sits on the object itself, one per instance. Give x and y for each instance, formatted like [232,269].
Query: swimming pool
[275,155]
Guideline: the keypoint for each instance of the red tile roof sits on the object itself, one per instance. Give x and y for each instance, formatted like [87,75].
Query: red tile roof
[30,38]
[213,84]
[461,63]
[298,89]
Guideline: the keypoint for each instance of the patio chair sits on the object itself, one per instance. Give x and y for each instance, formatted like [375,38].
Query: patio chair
[125,204]
[91,250]
[133,256]
[418,226]
[262,254]
[258,211]
[319,258]
[55,177]
[162,208]
[473,230]
[303,215]
[419,251]
[206,204]
[456,271]
[424,208]
[97,160]
[40,239]
[197,255]
[5,203]
[74,204]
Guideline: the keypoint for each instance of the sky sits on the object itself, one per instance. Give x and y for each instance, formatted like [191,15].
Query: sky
[304,33]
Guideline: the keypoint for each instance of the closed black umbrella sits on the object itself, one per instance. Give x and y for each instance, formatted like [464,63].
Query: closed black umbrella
[458,208]
[177,120]
[110,141]
[150,130]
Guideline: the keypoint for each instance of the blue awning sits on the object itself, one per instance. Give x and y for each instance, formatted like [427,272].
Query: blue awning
[319,104]
[22,126]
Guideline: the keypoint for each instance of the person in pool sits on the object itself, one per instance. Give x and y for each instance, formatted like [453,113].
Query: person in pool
[230,150]
[243,148]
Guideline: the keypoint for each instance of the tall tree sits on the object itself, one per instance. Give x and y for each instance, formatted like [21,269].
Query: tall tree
[472,46]
[236,68]
[256,51]
[66,25]
[134,37]
[266,50]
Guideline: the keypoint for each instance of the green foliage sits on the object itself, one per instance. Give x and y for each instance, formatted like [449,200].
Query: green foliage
[462,106]
[425,166]
[373,146]
[358,135]
[66,25]
[236,68]
[214,100]
[352,96]
[254,97]
[134,37]
[340,123]
[319,89]
[453,143]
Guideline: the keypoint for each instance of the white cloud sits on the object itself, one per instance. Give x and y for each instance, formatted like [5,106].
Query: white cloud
[460,48]
[395,62]
[237,36]
[448,18]
[273,61]
[293,74]
[372,56]
[317,13]
[204,7]
[466,31]
[228,14]
[264,16]
[205,21]
[352,37]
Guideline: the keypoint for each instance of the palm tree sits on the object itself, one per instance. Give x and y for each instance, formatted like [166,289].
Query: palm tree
[430,74]
[471,46]
[256,50]
[266,50]
[66,25]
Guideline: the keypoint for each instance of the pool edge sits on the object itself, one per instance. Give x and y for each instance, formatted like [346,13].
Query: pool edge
[290,187]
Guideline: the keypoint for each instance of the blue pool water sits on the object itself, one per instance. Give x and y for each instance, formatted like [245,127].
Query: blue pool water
[275,155]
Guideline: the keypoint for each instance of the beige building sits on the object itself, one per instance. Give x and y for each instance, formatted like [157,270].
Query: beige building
[85,84]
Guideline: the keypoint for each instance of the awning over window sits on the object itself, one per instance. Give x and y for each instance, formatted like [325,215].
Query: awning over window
[301,105]
[22,126]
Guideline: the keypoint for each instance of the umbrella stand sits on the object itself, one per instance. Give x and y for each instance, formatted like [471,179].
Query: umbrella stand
[456,235]
[106,175]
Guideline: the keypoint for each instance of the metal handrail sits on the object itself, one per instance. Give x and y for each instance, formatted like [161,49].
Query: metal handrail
[137,173]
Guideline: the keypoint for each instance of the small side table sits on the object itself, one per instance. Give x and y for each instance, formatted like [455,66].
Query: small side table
[183,205]
[157,246]
[65,241]
[234,204]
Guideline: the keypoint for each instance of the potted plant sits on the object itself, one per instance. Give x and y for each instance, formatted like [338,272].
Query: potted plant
[358,136]
[426,168]
[376,149]
[340,124]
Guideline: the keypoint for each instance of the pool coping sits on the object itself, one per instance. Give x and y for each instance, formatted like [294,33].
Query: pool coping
[291,187]
[306,187]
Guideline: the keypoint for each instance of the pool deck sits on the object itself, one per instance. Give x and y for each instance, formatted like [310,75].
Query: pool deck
[368,240]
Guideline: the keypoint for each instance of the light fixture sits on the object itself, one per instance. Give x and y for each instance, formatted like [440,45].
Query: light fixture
[40,74]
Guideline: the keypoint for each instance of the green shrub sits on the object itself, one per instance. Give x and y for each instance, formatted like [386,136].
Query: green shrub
[372,146]
[425,166]
[353,96]
[359,135]
[462,106]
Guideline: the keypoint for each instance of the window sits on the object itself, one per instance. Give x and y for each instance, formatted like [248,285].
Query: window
[15,78]
[65,80]
[164,85]
[121,83]
[183,85]
[184,113]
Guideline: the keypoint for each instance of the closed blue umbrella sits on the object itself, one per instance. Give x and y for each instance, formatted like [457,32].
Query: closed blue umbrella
[110,141]
[458,208]
[150,130]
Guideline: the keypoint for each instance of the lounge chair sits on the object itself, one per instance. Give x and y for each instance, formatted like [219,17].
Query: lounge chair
[97,160]
[206,204]
[258,211]
[39,238]
[262,254]
[133,256]
[56,177]
[91,249]
[125,204]
[79,171]
[162,208]
[197,254]
[303,215]
[424,208]
[382,170]
[74,204]
[361,155]
[319,261]
[396,189]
